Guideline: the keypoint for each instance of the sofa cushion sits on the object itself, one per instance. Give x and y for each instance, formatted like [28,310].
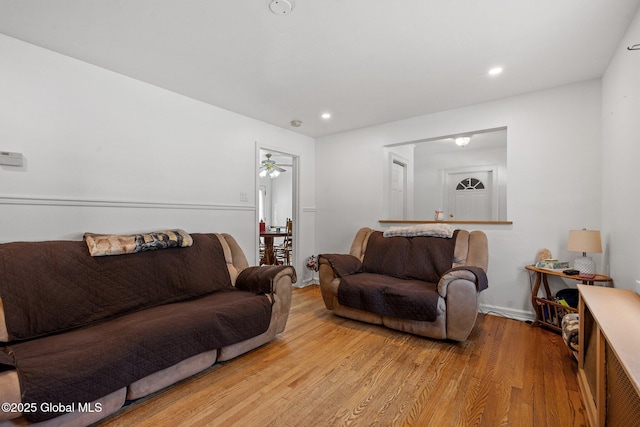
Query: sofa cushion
[390,296]
[421,258]
[54,286]
[87,363]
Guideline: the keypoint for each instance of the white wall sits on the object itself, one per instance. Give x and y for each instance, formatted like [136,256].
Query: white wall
[555,176]
[620,155]
[107,153]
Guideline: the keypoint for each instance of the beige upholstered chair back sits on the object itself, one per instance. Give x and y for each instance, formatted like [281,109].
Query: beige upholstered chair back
[233,255]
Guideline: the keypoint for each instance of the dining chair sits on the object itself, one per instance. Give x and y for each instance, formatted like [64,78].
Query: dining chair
[284,251]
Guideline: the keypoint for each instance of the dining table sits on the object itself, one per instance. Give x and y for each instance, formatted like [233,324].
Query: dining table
[269,257]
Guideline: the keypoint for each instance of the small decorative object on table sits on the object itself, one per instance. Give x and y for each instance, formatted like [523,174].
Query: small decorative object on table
[543,254]
[552,264]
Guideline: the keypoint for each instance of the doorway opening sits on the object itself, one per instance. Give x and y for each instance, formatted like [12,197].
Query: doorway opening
[278,203]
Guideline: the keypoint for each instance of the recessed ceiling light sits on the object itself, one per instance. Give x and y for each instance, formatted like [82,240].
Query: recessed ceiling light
[326,116]
[495,71]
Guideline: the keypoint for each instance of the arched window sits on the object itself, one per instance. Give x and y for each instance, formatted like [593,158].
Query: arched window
[470,184]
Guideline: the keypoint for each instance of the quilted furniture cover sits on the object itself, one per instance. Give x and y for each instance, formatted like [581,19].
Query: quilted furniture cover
[76,327]
[420,284]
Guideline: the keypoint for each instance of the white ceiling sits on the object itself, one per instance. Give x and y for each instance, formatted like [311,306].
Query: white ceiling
[365,61]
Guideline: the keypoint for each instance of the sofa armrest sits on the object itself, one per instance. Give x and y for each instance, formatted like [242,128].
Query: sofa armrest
[460,287]
[264,280]
[476,275]
[332,267]
[341,264]
[275,281]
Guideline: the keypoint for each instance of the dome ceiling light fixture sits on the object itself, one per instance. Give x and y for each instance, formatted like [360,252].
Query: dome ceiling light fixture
[268,168]
[461,141]
[281,7]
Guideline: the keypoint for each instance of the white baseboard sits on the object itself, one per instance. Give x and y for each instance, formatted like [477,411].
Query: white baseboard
[522,315]
[306,282]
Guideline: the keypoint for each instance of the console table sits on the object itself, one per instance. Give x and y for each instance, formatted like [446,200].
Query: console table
[608,362]
[549,313]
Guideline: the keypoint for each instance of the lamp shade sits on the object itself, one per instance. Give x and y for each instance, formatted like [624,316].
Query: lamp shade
[584,241]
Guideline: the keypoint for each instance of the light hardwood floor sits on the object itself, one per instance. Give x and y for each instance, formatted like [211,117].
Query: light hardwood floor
[328,371]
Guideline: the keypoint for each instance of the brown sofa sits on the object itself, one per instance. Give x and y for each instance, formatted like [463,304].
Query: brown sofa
[81,335]
[424,285]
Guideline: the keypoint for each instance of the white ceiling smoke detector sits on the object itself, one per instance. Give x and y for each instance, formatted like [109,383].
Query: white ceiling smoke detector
[281,7]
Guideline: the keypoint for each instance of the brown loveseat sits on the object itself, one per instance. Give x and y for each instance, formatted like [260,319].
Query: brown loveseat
[421,284]
[80,335]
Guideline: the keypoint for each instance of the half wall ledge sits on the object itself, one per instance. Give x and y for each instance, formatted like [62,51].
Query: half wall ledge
[419,221]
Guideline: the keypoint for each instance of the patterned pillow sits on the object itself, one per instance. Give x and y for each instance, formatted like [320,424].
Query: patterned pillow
[114,244]
[570,330]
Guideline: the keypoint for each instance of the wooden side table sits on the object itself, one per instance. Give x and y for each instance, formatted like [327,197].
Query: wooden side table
[549,313]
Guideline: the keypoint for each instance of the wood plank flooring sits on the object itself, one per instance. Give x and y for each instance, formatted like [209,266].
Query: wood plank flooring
[328,371]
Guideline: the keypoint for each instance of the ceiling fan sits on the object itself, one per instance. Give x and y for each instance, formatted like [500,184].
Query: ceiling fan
[270,168]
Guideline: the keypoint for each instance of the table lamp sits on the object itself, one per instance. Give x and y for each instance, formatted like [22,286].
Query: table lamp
[585,241]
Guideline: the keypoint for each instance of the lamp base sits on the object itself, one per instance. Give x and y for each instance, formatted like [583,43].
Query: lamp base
[586,266]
